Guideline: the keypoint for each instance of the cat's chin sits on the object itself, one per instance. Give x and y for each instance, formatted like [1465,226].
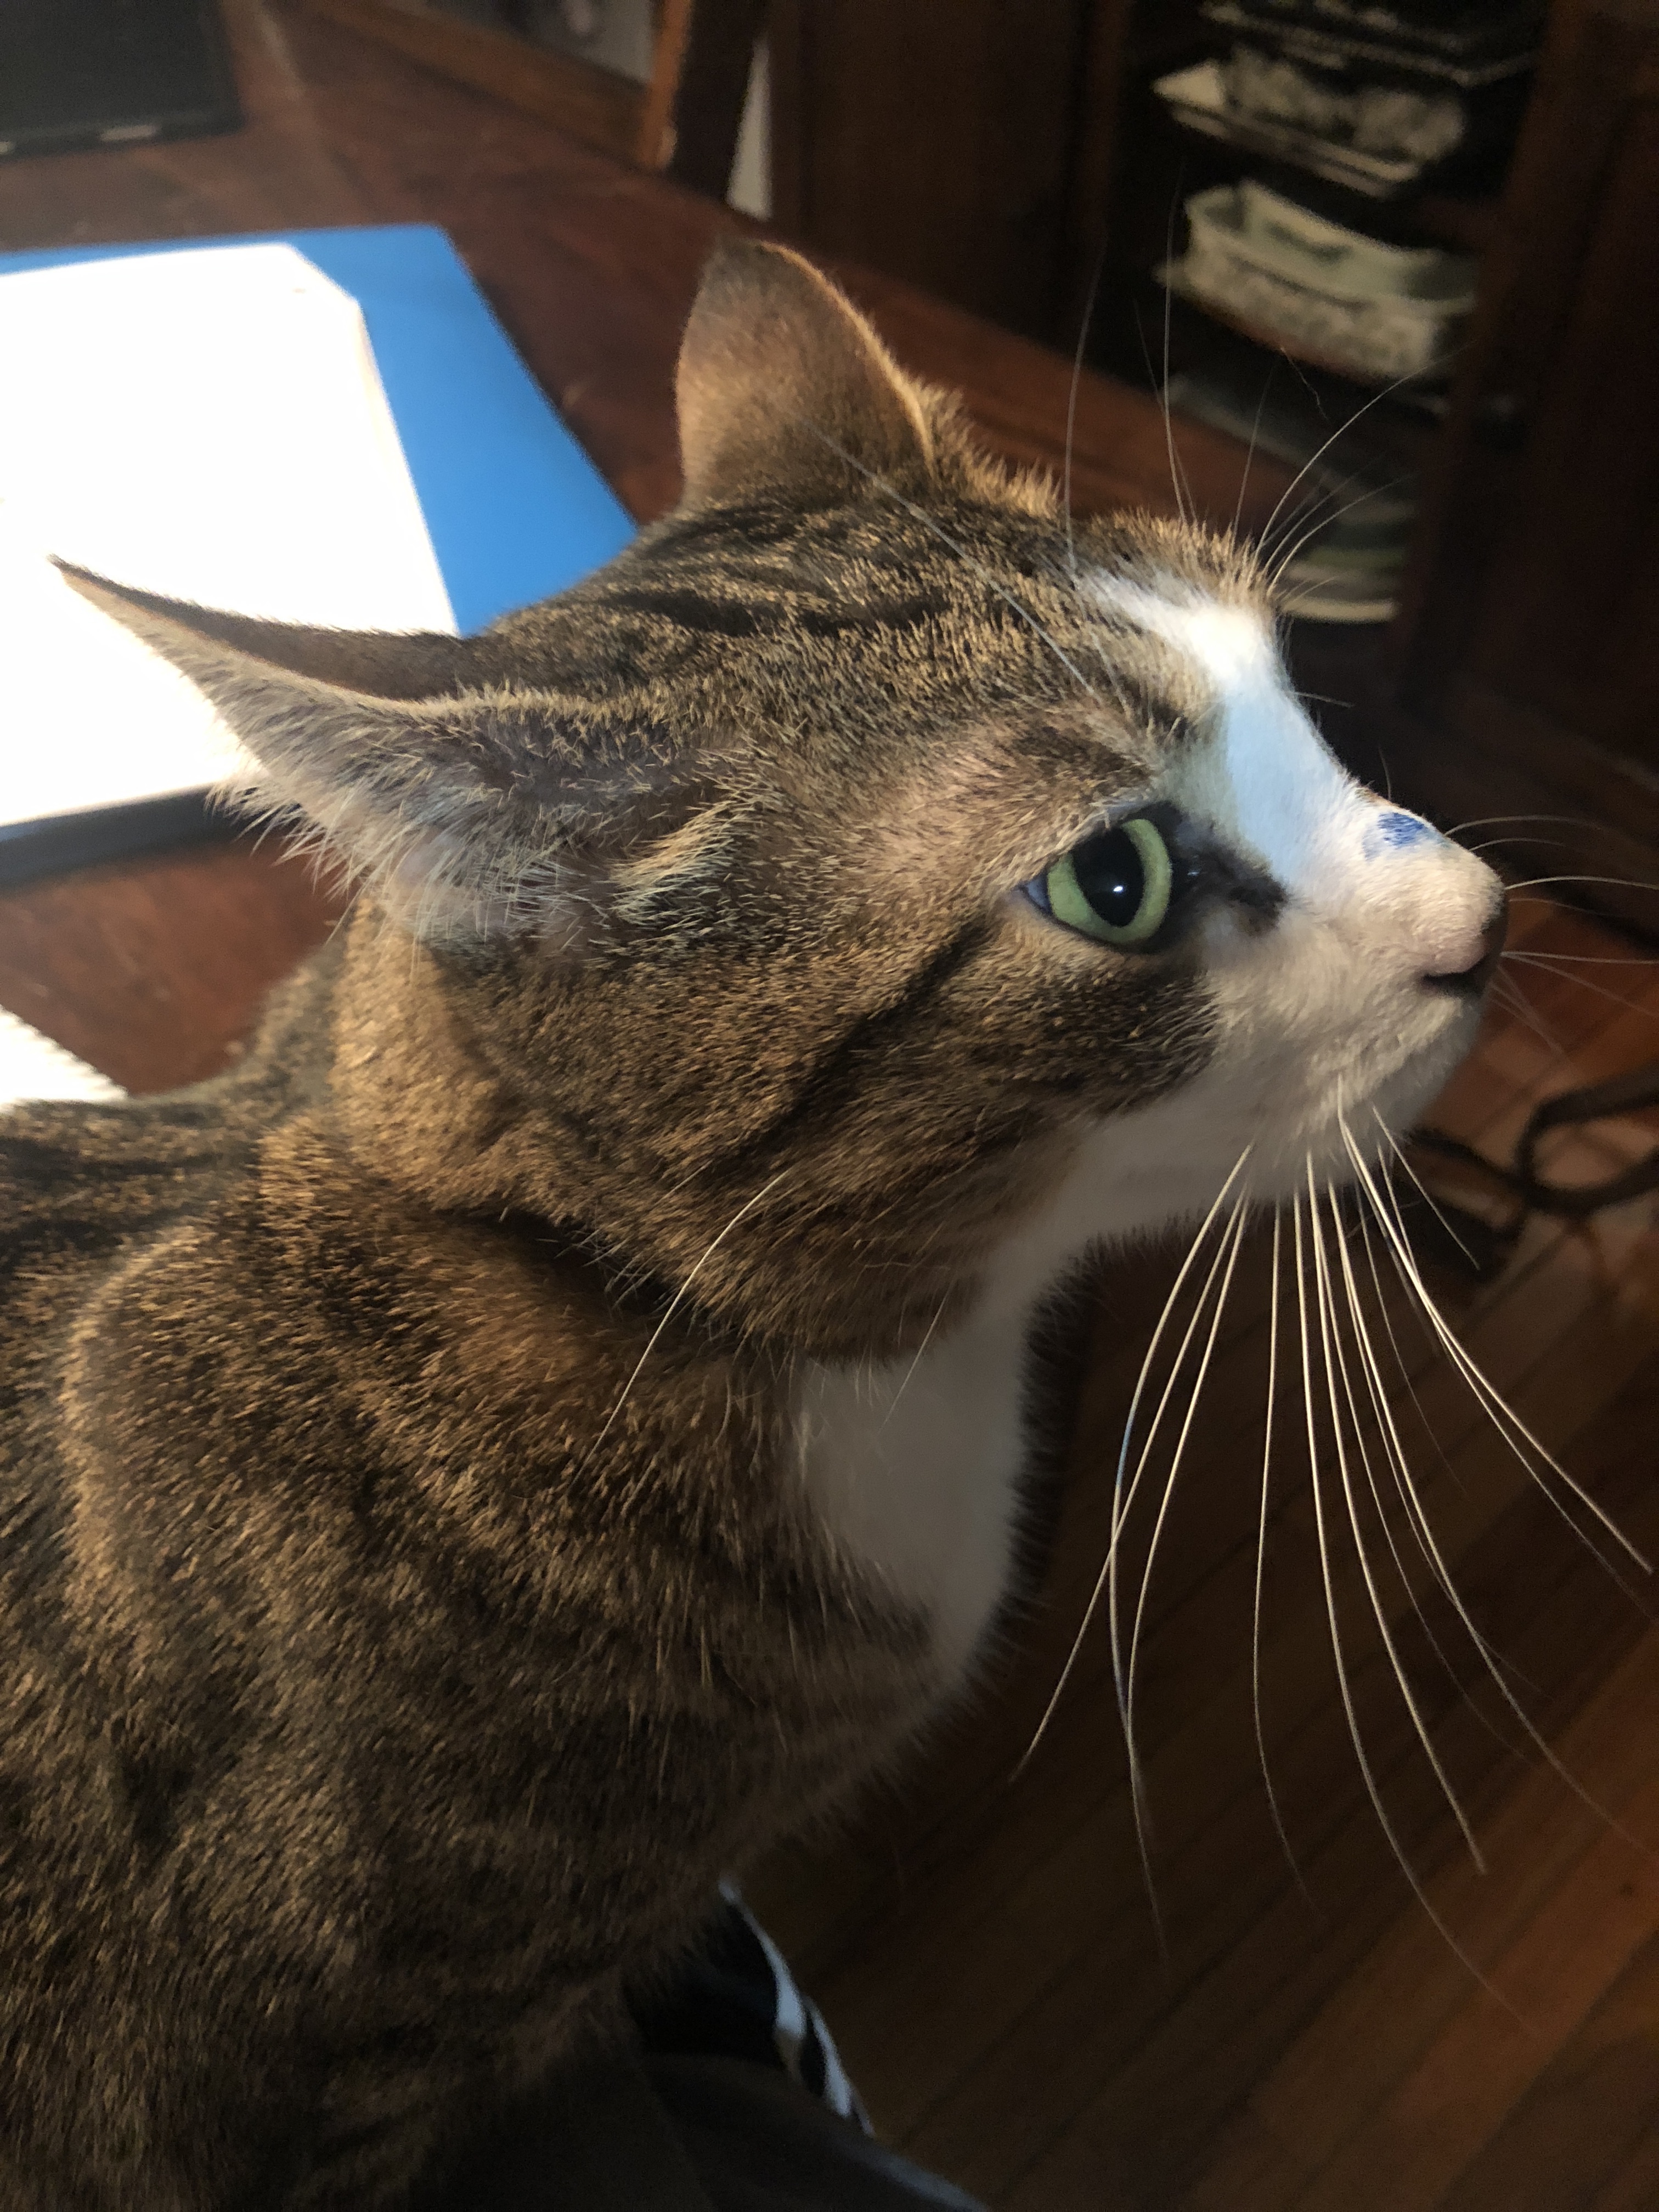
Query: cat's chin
[1368,1119]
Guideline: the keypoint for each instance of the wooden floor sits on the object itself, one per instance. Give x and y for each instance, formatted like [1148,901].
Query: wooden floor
[1314,2035]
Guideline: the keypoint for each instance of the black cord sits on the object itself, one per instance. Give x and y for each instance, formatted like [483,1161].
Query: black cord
[1531,1192]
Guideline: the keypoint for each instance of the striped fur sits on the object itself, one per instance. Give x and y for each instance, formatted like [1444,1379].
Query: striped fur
[417,1590]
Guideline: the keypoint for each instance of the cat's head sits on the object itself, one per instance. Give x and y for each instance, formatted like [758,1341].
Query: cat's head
[867,867]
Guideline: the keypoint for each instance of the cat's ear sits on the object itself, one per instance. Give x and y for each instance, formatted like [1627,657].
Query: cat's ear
[782,385]
[469,805]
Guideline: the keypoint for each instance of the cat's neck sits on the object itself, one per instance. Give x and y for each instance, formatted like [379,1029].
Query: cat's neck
[432,1112]
[412,1095]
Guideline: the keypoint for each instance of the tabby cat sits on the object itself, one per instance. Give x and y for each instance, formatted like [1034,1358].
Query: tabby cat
[554,1418]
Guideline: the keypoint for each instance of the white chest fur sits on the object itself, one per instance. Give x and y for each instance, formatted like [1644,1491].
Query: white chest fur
[913,1469]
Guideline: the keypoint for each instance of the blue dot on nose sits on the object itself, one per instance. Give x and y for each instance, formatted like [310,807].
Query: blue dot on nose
[1396,829]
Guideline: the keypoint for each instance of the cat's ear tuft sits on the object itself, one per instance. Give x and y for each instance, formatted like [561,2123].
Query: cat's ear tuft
[469,805]
[783,385]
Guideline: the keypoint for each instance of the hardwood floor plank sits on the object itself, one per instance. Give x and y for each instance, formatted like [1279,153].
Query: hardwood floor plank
[1586,2115]
[1369,2036]
[1473,2073]
[1634,2187]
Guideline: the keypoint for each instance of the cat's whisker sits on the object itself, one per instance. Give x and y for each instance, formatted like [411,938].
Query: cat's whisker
[1284,557]
[909,1372]
[1607,1565]
[1585,983]
[673,1307]
[1124,1495]
[1249,456]
[1177,474]
[1103,1580]
[1429,1543]
[1363,1209]
[1620,882]
[1274,1807]
[1508,993]
[1405,1484]
[1486,822]
[1508,1423]
[1070,409]
[1423,1192]
[1319,451]
[1336,1370]
[1233,1238]
[1386,1434]
[1071,581]
[1585,959]
[1521,837]
[1355,1735]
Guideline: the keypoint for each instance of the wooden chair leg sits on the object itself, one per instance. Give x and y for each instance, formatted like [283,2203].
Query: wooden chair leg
[699,82]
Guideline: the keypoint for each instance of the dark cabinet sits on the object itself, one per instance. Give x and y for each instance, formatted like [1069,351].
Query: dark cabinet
[1527,650]
[933,139]
[1000,153]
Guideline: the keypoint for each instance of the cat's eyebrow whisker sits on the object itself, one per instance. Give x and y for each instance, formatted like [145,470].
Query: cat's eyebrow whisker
[1071,408]
[1103,1580]
[1238,505]
[673,1307]
[1319,451]
[1177,475]
[1071,582]
[1508,1422]
[1274,1807]
[1315,522]
[1355,1735]
[1335,1364]
[1232,1238]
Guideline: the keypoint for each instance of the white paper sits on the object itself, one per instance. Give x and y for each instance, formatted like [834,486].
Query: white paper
[208,424]
[33,1067]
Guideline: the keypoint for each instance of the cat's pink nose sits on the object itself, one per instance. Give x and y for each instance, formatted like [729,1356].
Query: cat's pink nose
[1469,982]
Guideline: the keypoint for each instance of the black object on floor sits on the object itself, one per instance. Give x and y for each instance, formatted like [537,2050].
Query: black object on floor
[78,73]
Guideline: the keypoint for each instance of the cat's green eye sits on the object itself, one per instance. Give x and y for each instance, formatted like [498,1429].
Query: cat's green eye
[1115,886]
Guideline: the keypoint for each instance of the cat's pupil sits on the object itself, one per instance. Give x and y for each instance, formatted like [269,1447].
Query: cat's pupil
[1111,876]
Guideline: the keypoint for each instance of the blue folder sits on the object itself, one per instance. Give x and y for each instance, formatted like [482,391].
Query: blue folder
[515,508]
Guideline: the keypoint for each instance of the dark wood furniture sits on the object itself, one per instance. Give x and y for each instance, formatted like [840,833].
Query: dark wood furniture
[1007,159]
[1527,651]
[683,122]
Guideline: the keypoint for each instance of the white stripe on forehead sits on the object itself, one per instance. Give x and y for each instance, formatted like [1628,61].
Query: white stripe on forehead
[1270,783]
